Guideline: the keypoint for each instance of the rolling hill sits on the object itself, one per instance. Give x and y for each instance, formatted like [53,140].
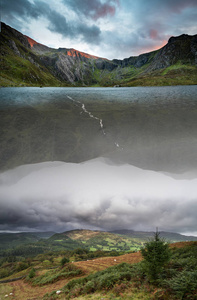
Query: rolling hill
[112,277]
[120,240]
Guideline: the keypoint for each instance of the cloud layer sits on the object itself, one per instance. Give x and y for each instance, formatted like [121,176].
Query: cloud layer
[106,28]
[95,195]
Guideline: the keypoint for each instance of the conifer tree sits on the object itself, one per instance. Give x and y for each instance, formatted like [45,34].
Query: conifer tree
[156,254]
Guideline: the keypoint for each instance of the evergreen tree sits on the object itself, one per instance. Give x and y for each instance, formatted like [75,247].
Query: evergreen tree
[156,254]
[32,273]
[64,260]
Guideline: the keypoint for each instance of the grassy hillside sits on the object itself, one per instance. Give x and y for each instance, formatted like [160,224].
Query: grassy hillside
[12,240]
[21,65]
[177,74]
[98,240]
[171,237]
[120,277]
[80,241]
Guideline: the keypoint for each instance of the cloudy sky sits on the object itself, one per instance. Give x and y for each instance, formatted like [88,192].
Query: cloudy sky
[97,195]
[106,28]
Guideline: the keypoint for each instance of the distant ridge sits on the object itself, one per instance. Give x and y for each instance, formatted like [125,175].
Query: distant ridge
[118,240]
[171,236]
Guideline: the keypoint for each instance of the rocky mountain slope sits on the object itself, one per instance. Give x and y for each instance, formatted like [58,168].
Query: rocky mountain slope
[23,61]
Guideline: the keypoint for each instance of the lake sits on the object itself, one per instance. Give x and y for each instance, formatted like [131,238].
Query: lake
[150,127]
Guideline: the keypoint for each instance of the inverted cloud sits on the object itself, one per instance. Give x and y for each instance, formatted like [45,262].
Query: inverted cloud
[96,195]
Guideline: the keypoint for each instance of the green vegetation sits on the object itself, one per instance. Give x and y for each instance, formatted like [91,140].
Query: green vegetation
[13,240]
[32,273]
[52,276]
[64,260]
[156,254]
[178,74]
[176,280]
[24,264]
[26,245]
[103,280]
[77,243]
[22,66]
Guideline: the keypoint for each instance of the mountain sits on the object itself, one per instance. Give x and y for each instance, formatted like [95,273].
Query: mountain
[25,62]
[118,240]
[11,240]
[97,240]
[169,236]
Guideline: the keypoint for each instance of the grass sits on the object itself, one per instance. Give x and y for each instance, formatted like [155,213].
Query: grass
[128,281]
[52,276]
[22,72]
[5,289]
[22,67]
[178,74]
[120,277]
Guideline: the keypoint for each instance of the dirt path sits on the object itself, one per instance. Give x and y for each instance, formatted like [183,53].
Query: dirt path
[102,263]
[24,291]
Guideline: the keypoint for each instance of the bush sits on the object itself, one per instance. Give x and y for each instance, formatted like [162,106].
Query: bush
[32,273]
[69,271]
[184,285]
[4,272]
[63,261]
[102,280]
[21,266]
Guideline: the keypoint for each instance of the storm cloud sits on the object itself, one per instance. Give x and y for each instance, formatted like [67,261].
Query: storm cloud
[106,28]
[97,195]
[94,9]
[57,22]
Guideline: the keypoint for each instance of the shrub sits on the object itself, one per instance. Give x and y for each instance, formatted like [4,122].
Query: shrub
[32,273]
[69,271]
[63,261]
[120,288]
[21,266]
[102,280]
[184,285]
[4,272]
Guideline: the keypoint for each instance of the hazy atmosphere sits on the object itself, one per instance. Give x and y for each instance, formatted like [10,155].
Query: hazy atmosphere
[111,29]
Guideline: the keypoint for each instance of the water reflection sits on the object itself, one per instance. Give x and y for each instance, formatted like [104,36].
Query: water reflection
[156,127]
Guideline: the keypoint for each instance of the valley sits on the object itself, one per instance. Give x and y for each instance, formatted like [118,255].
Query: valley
[24,62]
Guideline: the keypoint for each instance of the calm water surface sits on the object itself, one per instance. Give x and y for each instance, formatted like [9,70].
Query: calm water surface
[150,127]
[185,95]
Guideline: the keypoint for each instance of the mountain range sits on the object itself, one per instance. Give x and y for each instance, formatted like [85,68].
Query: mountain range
[25,62]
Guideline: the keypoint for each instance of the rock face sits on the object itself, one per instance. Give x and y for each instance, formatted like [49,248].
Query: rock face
[63,66]
[178,49]
[135,61]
